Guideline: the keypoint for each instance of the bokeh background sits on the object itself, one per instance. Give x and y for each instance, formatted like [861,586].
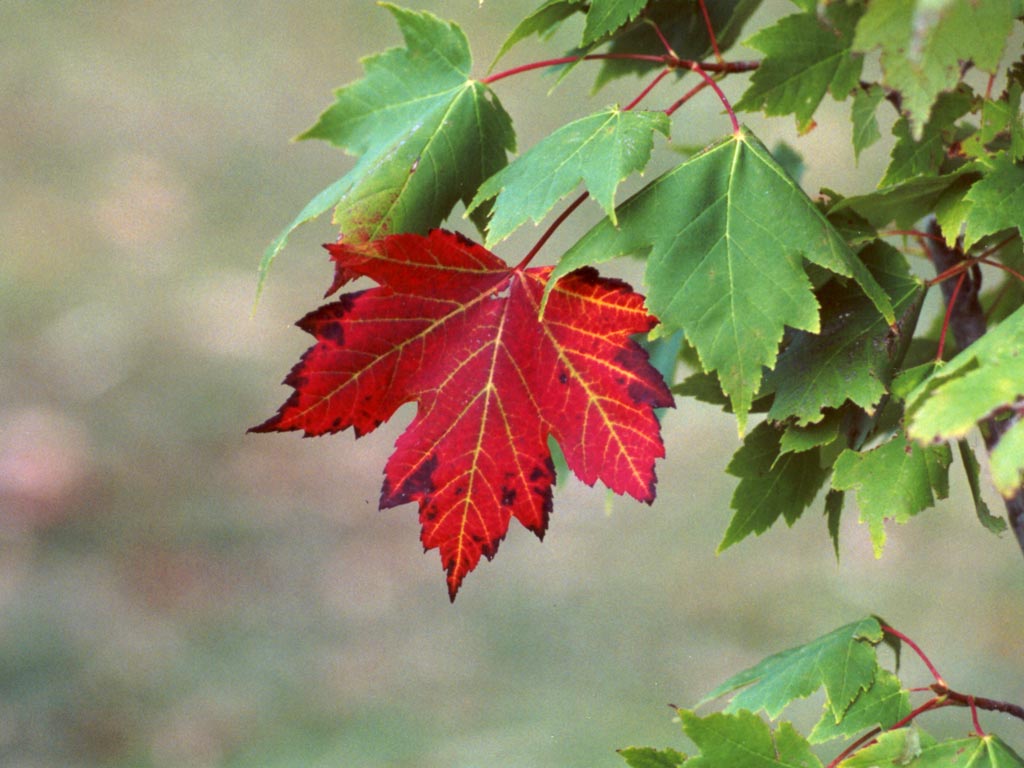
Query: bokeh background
[174,592]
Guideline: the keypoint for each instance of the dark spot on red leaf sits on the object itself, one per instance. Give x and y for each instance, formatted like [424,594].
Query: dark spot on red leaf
[563,377]
[333,332]
[508,496]
[418,485]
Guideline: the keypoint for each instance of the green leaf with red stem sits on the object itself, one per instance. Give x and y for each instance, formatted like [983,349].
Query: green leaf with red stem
[454,329]
[425,132]
[997,200]
[843,662]
[883,705]
[726,235]
[601,150]
[895,480]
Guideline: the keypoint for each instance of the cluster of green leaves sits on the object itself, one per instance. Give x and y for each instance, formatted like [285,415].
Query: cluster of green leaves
[801,316]
[860,697]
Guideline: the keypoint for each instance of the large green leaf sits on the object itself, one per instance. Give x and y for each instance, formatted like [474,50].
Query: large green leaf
[853,356]
[743,740]
[922,154]
[426,135]
[924,41]
[983,380]
[728,233]
[895,480]
[601,150]
[843,662]
[772,484]
[806,56]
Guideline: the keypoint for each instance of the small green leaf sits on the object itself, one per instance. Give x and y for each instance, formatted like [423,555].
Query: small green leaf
[743,740]
[973,471]
[649,757]
[806,56]
[601,150]
[895,480]
[853,355]
[997,201]
[923,44]
[772,484]
[883,704]
[843,661]
[862,114]
[727,234]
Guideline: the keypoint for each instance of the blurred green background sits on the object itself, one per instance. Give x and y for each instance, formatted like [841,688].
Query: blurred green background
[174,592]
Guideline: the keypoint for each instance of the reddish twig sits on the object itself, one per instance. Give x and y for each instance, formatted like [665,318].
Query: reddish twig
[949,314]
[551,230]
[725,102]
[667,60]
[711,30]
[916,649]
[650,87]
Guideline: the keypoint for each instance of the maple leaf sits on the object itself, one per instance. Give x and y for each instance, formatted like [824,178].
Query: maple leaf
[843,662]
[894,480]
[601,150]
[456,330]
[727,233]
[743,740]
[806,56]
[425,132]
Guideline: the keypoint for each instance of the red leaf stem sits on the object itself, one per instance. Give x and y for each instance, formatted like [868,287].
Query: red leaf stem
[696,67]
[711,30]
[551,229]
[687,96]
[650,87]
[916,649]
[668,60]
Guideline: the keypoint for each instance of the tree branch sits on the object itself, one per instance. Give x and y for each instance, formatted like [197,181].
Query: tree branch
[967,321]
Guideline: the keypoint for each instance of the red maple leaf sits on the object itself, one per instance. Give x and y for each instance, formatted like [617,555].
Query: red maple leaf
[458,331]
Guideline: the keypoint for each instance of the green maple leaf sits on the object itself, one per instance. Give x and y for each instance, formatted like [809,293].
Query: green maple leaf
[843,662]
[982,380]
[883,704]
[997,200]
[895,480]
[426,135]
[743,740]
[773,483]
[727,233]
[806,56]
[853,356]
[601,150]
[923,43]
